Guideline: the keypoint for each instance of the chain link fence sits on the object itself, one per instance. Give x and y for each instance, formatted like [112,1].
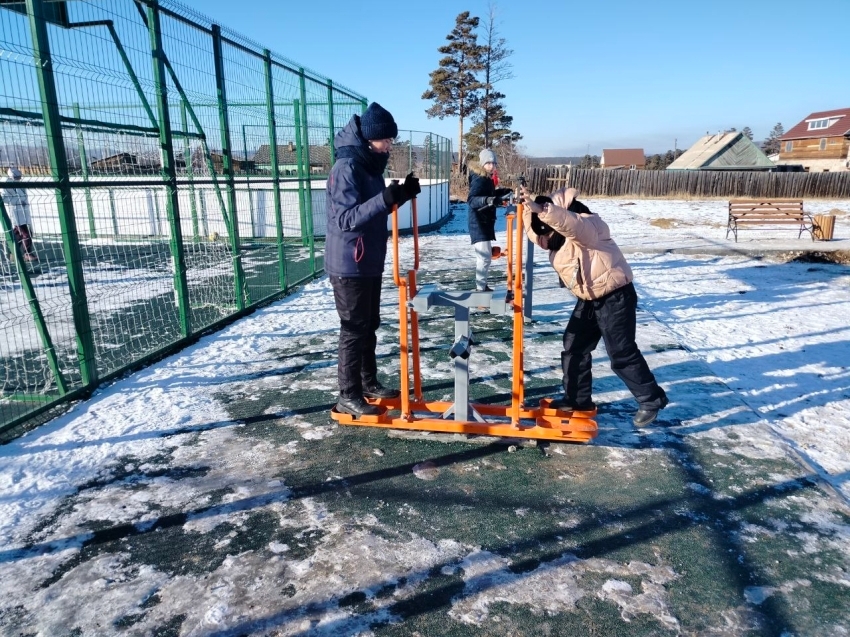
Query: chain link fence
[170,176]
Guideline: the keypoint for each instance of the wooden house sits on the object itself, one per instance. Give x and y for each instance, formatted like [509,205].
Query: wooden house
[117,164]
[623,159]
[287,159]
[820,143]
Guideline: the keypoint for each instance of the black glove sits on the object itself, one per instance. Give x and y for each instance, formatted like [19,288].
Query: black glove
[394,194]
[411,186]
[399,194]
[494,201]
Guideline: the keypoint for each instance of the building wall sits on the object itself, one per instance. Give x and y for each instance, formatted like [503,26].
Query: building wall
[820,165]
[814,149]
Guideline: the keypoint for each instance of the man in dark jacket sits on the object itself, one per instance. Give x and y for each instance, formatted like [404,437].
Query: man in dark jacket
[482,201]
[358,205]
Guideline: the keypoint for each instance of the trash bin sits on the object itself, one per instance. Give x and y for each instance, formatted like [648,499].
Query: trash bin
[824,227]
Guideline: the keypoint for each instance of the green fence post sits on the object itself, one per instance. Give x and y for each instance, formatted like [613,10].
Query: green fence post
[190,173]
[201,136]
[84,164]
[247,177]
[113,213]
[168,172]
[227,159]
[299,164]
[273,158]
[331,123]
[305,160]
[14,249]
[64,202]
[157,211]
[205,226]
[430,173]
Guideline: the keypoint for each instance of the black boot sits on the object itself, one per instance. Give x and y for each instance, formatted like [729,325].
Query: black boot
[376,390]
[356,407]
[568,405]
[645,416]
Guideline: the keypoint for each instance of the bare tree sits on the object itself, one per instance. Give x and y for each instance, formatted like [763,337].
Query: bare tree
[496,68]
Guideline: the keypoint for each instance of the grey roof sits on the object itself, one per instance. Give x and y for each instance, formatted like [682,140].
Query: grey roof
[724,150]
[287,155]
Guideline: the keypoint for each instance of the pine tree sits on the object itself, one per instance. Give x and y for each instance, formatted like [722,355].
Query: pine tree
[748,133]
[770,146]
[500,133]
[455,90]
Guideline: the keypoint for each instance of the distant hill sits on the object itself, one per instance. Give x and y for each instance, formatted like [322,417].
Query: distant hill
[547,161]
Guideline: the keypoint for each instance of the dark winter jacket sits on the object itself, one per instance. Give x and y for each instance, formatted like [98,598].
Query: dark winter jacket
[356,239]
[482,218]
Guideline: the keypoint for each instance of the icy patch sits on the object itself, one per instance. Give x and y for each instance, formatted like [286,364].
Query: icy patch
[426,471]
[753,441]
[757,594]
[556,587]
[317,433]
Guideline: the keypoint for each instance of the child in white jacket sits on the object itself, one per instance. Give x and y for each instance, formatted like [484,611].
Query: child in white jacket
[17,205]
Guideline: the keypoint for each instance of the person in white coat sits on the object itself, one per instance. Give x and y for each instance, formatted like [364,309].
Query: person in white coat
[18,207]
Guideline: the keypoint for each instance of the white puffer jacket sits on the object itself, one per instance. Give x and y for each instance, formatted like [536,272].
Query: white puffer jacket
[17,204]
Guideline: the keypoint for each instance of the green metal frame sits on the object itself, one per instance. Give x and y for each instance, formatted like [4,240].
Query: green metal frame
[299,161]
[331,120]
[80,120]
[305,161]
[124,59]
[278,212]
[169,173]
[227,161]
[190,172]
[84,164]
[64,202]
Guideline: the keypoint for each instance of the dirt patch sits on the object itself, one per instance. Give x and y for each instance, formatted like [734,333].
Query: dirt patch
[667,223]
[841,257]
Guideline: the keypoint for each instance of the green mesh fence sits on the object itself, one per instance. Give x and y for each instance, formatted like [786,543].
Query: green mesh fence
[173,175]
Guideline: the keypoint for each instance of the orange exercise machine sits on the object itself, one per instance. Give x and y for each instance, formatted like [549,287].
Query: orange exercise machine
[461,416]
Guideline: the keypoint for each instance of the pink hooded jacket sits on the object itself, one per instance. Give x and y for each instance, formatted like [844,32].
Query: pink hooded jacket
[589,263]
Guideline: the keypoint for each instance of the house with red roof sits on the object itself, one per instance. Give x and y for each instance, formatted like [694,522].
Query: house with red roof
[821,142]
[623,158]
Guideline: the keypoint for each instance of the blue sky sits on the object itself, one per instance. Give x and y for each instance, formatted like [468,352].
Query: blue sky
[587,76]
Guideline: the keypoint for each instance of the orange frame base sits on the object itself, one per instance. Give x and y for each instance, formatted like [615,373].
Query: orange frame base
[549,424]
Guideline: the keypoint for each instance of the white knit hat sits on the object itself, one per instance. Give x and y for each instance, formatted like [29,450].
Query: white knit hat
[487,156]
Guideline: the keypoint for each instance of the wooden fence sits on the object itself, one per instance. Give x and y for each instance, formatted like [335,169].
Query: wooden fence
[692,183]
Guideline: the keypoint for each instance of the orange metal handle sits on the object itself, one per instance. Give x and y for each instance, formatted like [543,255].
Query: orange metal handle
[414,219]
[396,276]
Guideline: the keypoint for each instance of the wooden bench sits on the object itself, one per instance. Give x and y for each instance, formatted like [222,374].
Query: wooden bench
[775,212]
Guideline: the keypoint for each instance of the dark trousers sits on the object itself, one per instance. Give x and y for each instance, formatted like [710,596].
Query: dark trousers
[612,318]
[24,239]
[358,303]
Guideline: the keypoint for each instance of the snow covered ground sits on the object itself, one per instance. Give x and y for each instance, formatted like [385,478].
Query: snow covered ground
[209,494]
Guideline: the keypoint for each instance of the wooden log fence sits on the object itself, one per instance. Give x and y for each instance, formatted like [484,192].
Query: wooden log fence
[691,183]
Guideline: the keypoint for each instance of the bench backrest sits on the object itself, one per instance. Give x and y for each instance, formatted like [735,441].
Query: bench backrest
[771,209]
